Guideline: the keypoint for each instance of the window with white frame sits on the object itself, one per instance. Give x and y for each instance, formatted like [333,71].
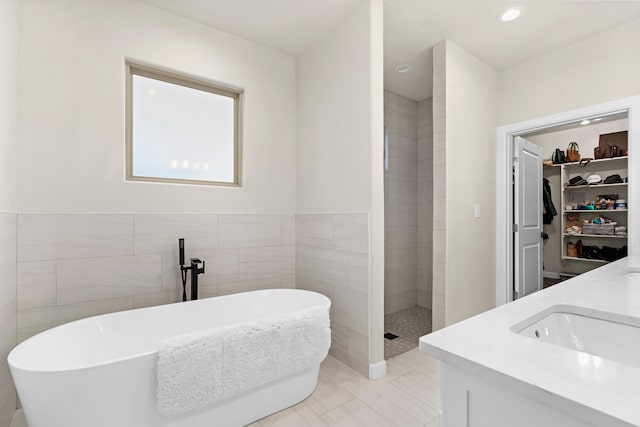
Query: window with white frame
[181,129]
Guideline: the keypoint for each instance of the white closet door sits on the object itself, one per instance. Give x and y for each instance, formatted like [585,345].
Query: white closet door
[528,218]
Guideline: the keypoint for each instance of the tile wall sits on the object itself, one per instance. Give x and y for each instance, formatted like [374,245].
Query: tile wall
[400,203]
[332,257]
[7,313]
[408,203]
[439,185]
[71,266]
[425,204]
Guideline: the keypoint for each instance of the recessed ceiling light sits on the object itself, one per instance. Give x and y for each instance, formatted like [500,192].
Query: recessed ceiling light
[585,122]
[509,14]
[403,68]
[598,119]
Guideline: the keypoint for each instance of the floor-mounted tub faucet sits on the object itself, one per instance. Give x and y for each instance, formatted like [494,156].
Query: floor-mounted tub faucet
[195,271]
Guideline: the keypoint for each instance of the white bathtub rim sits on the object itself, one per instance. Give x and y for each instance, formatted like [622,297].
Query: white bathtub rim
[13,364]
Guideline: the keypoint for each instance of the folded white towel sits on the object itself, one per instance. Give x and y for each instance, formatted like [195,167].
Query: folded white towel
[574,230]
[203,367]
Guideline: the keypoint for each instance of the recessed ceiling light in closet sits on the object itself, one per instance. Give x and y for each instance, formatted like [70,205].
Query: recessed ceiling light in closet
[509,15]
[403,68]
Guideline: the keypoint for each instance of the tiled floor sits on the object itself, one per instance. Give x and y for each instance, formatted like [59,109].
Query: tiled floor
[550,282]
[408,325]
[409,395]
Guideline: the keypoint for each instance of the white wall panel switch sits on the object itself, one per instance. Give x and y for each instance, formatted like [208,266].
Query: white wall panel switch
[476,210]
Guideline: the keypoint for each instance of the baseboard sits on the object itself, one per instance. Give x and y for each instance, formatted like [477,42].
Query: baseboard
[18,419]
[551,275]
[377,370]
[568,275]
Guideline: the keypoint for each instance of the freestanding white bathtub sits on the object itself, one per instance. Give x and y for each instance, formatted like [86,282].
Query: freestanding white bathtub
[101,371]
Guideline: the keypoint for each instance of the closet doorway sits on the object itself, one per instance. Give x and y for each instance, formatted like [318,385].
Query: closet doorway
[589,206]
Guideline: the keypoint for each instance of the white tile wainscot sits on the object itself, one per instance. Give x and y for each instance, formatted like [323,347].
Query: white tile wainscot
[246,231]
[332,257]
[92,279]
[37,284]
[269,261]
[7,312]
[492,375]
[67,236]
[72,266]
[159,233]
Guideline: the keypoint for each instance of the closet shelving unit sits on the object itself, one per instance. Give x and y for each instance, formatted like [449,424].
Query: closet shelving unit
[604,168]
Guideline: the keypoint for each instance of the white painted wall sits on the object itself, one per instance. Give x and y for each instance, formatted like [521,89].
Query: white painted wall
[595,70]
[340,136]
[71,153]
[334,137]
[8,203]
[471,88]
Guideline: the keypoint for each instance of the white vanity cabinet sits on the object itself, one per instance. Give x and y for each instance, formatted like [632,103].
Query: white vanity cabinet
[472,401]
[495,374]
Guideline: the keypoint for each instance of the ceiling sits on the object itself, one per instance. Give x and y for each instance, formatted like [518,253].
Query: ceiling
[286,25]
[412,27]
[592,121]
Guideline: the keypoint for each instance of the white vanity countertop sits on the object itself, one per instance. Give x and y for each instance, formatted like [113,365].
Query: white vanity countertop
[597,390]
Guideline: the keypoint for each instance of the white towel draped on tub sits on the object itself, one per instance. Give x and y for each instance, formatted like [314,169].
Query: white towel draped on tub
[203,367]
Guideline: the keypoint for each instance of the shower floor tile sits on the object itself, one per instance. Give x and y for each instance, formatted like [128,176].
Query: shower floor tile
[409,325]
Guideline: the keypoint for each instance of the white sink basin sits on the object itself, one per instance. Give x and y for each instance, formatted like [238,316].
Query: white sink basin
[601,334]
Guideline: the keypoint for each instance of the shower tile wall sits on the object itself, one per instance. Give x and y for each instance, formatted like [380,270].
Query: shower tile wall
[73,266]
[425,203]
[439,189]
[401,203]
[7,313]
[332,257]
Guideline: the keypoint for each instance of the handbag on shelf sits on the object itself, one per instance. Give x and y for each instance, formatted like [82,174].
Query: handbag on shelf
[573,152]
[606,151]
[618,139]
[622,252]
[558,157]
[591,252]
[607,253]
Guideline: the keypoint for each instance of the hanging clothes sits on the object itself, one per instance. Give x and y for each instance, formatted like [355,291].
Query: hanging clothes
[549,210]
